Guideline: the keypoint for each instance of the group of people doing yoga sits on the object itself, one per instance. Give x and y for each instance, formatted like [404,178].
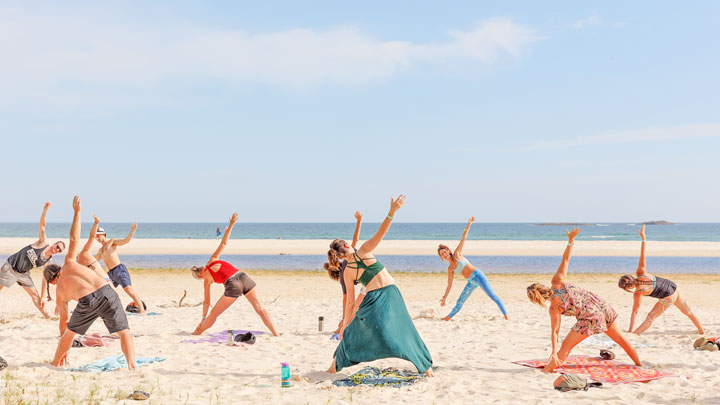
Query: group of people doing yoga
[378,325]
[594,315]
[375,324]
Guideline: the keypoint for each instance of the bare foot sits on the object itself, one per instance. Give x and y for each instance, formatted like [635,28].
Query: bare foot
[332,369]
[429,373]
[447,318]
[506,317]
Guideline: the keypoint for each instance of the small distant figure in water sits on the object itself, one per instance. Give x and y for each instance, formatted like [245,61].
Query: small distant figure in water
[217,233]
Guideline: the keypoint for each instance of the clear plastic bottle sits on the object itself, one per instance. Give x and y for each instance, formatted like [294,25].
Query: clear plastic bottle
[320,323]
[285,375]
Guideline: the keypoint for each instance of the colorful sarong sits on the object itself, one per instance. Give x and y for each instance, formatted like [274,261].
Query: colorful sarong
[607,371]
[389,377]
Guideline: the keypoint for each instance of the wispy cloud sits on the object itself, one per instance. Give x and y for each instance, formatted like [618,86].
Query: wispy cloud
[653,134]
[49,52]
[594,19]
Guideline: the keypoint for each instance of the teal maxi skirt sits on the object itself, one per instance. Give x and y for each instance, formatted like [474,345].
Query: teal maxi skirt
[382,328]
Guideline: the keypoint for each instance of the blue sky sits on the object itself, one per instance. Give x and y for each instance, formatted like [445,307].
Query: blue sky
[187,111]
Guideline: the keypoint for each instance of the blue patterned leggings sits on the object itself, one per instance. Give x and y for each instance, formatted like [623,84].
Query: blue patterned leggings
[477,278]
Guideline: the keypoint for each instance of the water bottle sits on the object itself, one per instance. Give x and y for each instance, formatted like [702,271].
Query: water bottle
[320,322]
[231,338]
[285,375]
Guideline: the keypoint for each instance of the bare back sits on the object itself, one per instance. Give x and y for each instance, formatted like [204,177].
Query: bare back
[77,281]
[382,279]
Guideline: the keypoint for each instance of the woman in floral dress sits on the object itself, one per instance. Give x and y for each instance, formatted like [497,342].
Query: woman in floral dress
[593,314]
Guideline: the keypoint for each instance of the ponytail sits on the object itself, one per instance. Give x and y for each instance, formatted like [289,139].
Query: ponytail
[538,293]
[333,272]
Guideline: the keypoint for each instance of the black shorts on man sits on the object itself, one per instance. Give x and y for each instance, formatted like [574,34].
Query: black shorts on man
[103,303]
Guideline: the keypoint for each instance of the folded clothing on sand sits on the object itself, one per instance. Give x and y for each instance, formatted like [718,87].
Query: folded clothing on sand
[114,363]
[607,371]
[220,337]
[94,340]
[377,377]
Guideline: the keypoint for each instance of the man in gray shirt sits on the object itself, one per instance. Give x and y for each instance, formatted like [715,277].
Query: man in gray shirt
[17,267]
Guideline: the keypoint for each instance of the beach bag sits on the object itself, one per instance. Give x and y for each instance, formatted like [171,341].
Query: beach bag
[570,382]
[132,308]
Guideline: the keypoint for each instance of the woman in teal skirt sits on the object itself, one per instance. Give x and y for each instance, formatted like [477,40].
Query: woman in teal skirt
[382,326]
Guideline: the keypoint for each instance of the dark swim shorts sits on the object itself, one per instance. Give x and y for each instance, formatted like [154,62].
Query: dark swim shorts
[238,285]
[103,303]
[119,275]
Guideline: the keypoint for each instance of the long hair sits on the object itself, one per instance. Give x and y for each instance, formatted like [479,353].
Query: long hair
[628,281]
[337,252]
[333,272]
[538,293]
[50,274]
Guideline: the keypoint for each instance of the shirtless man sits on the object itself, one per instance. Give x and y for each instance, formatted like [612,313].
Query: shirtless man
[85,258]
[118,273]
[17,267]
[96,299]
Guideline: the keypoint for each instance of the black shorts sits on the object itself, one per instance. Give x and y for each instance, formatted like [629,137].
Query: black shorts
[238,285]
[103,303]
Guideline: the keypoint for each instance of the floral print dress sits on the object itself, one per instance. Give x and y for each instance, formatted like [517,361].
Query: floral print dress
[592,312]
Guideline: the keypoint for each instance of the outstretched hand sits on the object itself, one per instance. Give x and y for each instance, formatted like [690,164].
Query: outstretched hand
[642,232]
[234,218]
[76,203]
[471,221]
[96,219]
[46,206]
[571,234]
[358,215]
[395,204]
[134,226]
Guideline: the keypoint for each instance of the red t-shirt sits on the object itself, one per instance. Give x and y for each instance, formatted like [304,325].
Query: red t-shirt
[225,271]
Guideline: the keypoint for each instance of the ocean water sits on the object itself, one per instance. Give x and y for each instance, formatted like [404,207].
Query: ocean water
[399,230]
[433,264]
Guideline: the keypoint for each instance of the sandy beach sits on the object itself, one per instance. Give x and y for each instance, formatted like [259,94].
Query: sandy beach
[400,247]
[472,354]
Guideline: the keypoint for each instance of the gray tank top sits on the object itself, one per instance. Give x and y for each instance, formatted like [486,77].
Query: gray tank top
[27,258]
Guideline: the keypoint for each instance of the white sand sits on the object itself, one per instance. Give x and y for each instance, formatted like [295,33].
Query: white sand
[400,247]
[472,354]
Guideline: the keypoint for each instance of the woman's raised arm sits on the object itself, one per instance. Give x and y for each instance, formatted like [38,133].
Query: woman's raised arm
[225,238]
[561,273]
[459,248]
[373,242]
[642,264]
[356,235]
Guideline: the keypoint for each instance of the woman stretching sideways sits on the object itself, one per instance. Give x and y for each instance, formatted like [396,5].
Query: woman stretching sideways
[593,314]
[236,284]
[657,287]
[382,326]
[475,277]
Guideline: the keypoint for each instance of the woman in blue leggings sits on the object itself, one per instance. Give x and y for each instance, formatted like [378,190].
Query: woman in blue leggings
[475,277]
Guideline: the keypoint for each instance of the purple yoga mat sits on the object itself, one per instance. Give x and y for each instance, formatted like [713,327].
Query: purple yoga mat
[220,337]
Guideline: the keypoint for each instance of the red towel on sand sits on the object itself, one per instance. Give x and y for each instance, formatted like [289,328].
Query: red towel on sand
[606,371]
